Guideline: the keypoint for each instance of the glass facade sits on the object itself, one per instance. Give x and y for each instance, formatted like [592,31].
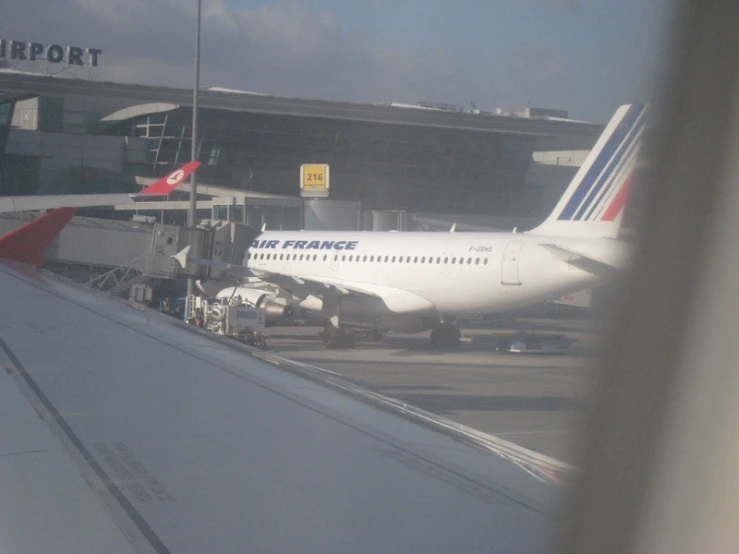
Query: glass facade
[6,117]
[220,212]
[51,147]
[100,141]
[404,167]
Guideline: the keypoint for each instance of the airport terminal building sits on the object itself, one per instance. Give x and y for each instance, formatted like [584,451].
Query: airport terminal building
[61,135]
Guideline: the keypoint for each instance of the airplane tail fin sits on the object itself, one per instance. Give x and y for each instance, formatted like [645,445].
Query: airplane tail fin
[167,184]
[27,243]
[593,204]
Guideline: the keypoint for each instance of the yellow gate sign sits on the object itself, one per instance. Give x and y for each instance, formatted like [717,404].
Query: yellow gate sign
[314,180]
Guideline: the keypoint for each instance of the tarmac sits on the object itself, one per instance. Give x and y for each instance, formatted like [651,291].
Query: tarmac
[534,400]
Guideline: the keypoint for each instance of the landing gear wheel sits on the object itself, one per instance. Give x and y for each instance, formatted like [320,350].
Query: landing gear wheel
[338,339]
[445,338]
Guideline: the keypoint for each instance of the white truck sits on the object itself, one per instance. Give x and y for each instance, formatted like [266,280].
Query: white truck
[232,319]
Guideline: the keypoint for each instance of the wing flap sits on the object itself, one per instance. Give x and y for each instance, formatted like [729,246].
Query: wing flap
[194,444]
[47,503]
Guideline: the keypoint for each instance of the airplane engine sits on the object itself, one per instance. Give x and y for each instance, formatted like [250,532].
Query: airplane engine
[275,309]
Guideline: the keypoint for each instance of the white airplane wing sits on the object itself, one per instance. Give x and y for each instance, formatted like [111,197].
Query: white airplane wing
[124,430]
[397,300]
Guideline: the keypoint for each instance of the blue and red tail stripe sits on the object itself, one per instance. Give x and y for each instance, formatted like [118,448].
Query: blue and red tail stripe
[616,154]
[619,201]
[614,175]
[615,180]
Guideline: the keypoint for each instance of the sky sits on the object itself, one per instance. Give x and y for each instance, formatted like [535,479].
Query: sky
[584,56]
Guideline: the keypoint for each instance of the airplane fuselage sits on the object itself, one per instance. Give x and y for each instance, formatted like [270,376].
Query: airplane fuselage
[456,273]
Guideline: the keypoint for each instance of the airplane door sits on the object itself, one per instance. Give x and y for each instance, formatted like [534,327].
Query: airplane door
[509,263]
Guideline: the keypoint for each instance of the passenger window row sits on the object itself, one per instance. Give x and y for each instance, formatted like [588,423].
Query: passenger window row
[370,259]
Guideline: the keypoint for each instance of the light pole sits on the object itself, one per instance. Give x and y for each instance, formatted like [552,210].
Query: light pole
[191,216]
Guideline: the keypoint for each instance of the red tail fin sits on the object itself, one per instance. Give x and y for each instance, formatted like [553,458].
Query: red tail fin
[27,244]
[167,184]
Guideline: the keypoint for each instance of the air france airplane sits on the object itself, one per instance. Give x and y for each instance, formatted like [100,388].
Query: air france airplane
[420,281]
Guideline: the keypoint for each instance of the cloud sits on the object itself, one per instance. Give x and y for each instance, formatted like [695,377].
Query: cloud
[289,48]
[283,48]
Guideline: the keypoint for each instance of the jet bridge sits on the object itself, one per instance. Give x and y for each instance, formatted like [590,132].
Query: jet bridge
[112,255]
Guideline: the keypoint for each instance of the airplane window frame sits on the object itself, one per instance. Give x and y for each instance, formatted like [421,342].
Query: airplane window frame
[654,406]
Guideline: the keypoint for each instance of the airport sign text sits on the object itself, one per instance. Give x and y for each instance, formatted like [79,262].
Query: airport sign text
[34,51]
[307,244]
[314,180]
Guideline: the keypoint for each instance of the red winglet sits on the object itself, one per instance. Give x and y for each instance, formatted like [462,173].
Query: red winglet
[167,184]
[27,244]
